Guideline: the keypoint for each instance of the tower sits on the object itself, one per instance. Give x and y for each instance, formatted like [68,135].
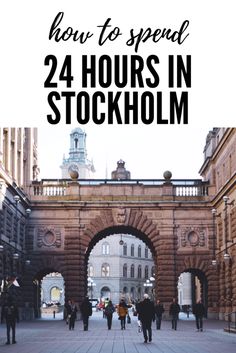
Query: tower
[77,156]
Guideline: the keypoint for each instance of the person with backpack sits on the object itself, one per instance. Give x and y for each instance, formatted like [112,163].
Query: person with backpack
[109,310]
[122,311]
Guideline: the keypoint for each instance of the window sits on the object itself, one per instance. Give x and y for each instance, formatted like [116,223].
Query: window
[146,272]
[132,250]
[132,271]
[105,270]
[139,251]
[146,252]
[139,271]
[125,249]
[90,271]
[153,271]
[105,249]
[125,270]
[55,294]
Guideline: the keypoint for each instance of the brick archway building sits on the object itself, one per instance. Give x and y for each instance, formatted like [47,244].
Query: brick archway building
[173,217]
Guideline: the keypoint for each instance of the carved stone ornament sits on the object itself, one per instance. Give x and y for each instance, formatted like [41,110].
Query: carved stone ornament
[192,237]
[48,237]
[121,215]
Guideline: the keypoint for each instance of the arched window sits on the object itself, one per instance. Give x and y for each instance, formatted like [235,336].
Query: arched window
[125,249]
[76,143]
[132,271]
[125,290]
[146,252]
[139,271]
[55,294]
[146,272]
[132,250]
[90,271]
[125,270]
[105,270]
[105,248]
[139,251]
[153,271]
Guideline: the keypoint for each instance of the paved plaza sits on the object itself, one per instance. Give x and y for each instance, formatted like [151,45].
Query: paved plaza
[49,336]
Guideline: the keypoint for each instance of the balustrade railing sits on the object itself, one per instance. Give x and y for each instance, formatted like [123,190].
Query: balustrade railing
[180,187]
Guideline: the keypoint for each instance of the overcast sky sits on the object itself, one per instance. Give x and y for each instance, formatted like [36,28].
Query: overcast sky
[147,152]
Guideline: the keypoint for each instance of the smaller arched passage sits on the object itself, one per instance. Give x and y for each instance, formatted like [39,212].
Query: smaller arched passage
[192,288]
[49,293]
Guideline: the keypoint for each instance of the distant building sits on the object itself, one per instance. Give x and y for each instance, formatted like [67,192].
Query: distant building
[119,266]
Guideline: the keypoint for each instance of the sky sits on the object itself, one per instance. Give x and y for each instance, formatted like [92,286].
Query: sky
[146,152]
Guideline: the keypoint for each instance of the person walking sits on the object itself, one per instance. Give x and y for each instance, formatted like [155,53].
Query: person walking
[86,311]
[159,310]
[67,310]
[174,313]
[199,311]
[137,306]
[11,316]
[109,310]
[72,314]
[122,311]
[147,315]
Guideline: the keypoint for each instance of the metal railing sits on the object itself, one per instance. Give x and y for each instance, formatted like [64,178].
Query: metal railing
[231,321]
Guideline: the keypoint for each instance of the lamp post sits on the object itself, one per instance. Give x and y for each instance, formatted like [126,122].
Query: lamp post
[91,285]
[147,285]
[15,235]
[214,262]
[226,254]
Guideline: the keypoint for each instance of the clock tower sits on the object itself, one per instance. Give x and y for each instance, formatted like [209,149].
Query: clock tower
[77,157]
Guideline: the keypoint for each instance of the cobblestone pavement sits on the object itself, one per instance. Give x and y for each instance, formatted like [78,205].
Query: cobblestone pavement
[53,336]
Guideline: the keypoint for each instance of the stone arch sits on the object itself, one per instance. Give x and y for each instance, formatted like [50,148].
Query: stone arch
[122,219]
[117,221]
[201,268]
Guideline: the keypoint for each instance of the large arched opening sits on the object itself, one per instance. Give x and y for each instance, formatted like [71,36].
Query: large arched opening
[119,261]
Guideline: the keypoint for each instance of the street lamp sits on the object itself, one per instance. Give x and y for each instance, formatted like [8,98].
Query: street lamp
[226,255]
[91,284]
[15,236]
[147,285]
[214,262]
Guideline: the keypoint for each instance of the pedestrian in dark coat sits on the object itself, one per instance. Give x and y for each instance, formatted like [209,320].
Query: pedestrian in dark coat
[174,313]
[199,311]
[159,310]
[109,310]
[147,315]
[72,314]
[11,316]
[86,311]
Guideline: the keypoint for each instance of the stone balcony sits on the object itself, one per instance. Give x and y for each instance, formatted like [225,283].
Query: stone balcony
[110,190]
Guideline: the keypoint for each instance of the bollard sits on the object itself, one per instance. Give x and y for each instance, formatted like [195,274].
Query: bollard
[54,314]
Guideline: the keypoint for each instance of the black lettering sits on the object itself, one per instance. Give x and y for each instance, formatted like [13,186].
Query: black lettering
[179,109]
[51,103]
